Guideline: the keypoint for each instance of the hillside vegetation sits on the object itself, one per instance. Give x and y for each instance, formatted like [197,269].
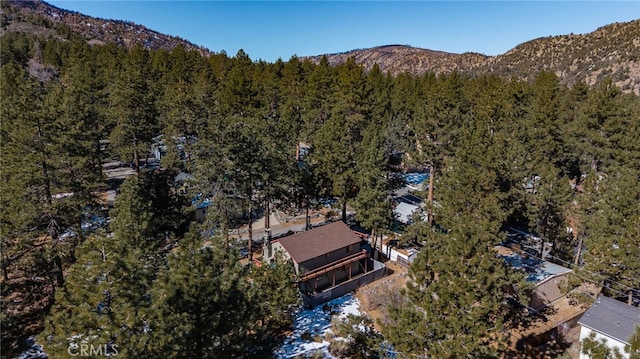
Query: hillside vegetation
[39,17]
[612,51]
[397,59]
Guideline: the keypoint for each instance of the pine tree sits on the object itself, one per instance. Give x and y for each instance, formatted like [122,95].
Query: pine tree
[460,298]
[598,348]
[545,120]
[319,100]
[20,199]
[278,301]
[80,129]
[460,294]
[106,298]
[550,198]
[103,301]
[132,110]
[202,304]
[634,345]
[182,109]
[610,226]
[606,126]
[372,203]
[336,143]
[362,340]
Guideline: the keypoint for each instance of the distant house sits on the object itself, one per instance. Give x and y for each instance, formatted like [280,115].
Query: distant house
[530,183]
[612,321]
[548,278]
[182,182]
[404,212]
[202,206]
[403,256]
[553,311]
[159,147]
[302,151]
[406,205]
[328,261]
[416,180]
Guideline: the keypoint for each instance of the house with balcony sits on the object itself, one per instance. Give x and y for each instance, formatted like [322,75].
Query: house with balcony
[328,261]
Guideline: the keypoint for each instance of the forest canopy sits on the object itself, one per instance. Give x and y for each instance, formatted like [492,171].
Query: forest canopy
[536,155]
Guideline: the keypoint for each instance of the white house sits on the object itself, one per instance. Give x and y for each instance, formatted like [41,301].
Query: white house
[612,321]
[404,212]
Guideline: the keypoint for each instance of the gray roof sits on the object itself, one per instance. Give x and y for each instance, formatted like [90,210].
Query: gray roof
[612,318]
[318,241]
[404,212]
[183,177]
[538,271]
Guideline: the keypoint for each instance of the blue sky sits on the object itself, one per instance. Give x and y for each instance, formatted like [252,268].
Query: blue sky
[269,30]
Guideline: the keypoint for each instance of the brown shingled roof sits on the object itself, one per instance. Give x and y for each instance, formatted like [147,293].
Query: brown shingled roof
[318,241]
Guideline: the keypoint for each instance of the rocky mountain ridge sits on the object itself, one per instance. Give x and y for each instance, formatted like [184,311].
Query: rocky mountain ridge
[611,51]
[397,59]
[18,16]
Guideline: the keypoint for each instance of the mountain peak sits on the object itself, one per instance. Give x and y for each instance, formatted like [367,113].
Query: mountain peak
[611,51]
[396,59]
[94,30]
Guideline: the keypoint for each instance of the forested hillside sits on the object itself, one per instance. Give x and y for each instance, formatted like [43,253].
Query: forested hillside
[36,16]
[612,51]
[151,283]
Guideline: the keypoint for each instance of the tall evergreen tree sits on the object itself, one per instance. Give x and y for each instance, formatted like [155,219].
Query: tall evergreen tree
[208,305]
[460,298]
[202,304]
[319,100]
[336,143]
[550,198]
[21,201]
[460,294]
[606,126]
[372,203]
[610,225]
[106,299]
[132,109]
[545,120]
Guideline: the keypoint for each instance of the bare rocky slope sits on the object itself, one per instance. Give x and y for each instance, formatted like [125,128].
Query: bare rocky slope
[37,16]
[610,51]
[397,59]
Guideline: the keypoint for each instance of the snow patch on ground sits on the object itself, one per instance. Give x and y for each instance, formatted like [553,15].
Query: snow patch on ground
[311,325]
[307,338]
[35,351]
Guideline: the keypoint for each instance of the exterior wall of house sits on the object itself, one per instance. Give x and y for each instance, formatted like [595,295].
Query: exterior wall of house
[395,256]
[325,259]
[378,270]
[270,250]
[547,292]
[326,281]
[611,343]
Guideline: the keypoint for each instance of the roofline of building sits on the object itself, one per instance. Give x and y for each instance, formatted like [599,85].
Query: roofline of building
[625,341]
